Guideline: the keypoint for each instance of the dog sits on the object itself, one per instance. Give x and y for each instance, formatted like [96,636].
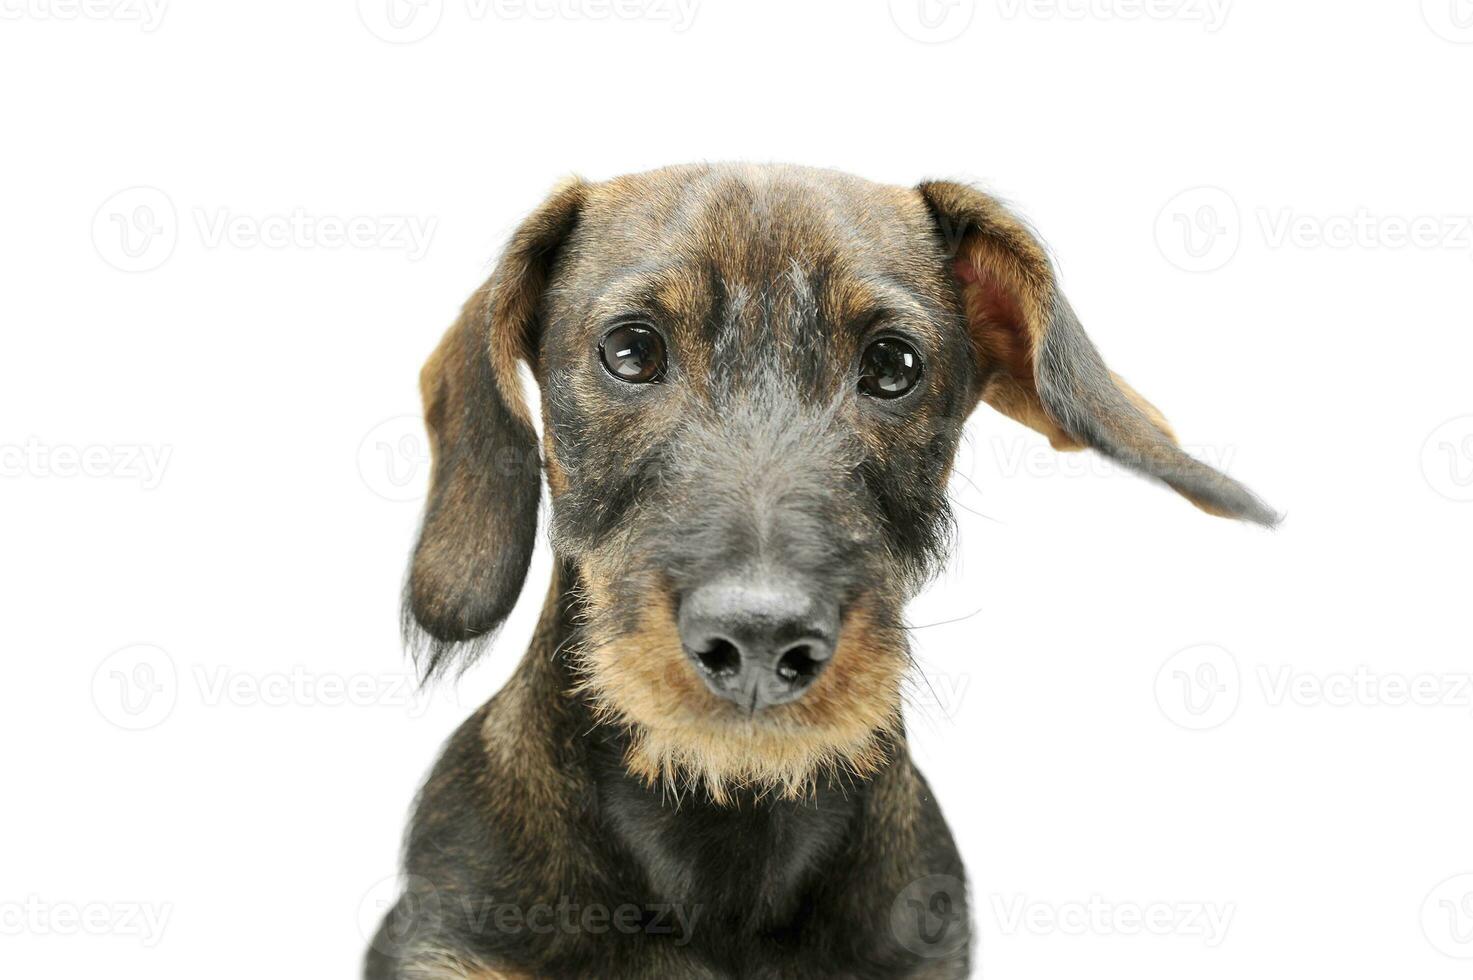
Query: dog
[753,384]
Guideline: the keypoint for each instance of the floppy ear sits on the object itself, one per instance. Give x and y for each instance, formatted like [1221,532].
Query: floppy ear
[1037,365]
[480,520]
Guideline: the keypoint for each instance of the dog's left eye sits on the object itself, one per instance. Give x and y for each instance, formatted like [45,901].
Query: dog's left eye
[634,353]
[889,369]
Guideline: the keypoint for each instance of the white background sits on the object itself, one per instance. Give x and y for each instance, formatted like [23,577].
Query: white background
[213,464]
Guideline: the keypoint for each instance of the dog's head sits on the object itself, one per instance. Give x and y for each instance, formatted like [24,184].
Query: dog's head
[753,383]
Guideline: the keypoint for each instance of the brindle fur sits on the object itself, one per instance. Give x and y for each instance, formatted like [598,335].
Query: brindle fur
[605,779]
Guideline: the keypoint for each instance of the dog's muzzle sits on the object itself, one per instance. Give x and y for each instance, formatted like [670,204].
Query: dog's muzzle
[758,639]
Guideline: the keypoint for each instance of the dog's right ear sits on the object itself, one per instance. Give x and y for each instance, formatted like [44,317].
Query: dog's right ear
[1038,366]
[480,520]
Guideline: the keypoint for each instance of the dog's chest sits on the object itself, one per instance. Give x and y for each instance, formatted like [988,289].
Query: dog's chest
[745,865]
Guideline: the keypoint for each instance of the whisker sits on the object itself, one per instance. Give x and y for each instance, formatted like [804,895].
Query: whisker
[945,622]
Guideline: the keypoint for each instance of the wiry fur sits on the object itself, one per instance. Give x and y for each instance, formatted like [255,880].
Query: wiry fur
[605,771]
[685,739]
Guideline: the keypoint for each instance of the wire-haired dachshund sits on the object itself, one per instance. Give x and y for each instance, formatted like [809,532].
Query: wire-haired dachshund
[753,383]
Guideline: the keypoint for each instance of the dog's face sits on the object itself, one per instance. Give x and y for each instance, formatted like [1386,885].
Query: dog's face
[753,380]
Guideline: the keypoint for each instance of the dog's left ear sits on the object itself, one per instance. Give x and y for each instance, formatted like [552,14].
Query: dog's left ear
[1037,366]
[480,520]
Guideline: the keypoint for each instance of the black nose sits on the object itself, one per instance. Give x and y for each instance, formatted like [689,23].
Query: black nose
[757,640]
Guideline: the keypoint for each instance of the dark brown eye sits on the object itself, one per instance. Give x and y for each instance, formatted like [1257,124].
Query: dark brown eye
[634,353]
[890,368]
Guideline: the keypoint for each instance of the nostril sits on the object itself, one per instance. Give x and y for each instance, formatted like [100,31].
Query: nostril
[721,658]
[800,663]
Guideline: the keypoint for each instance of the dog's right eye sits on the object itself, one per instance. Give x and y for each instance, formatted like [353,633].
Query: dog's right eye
[890,368]
[633,352]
